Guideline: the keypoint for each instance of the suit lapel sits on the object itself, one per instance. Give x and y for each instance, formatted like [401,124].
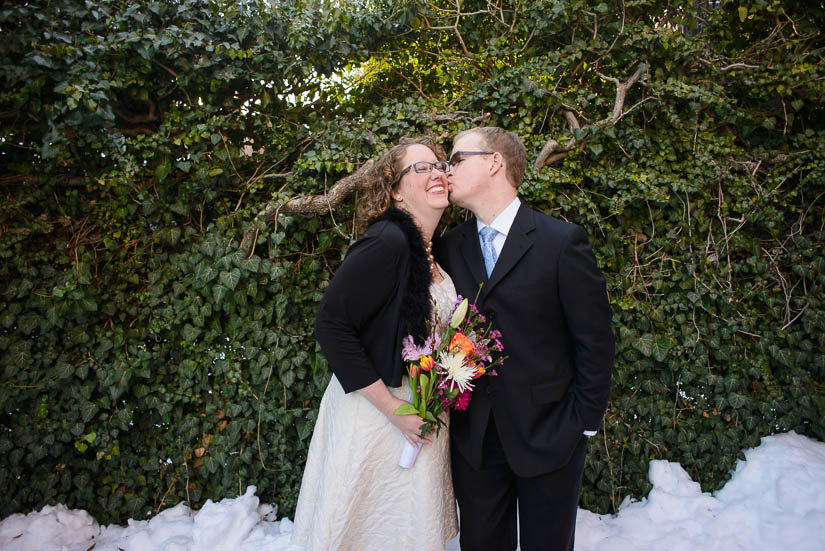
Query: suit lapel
[517,243]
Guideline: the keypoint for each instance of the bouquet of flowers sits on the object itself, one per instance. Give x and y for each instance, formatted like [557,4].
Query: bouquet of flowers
[443,368]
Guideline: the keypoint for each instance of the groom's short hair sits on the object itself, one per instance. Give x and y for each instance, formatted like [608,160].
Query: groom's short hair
[508,144]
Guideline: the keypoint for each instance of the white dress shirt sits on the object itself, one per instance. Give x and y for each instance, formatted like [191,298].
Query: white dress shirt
[502,224]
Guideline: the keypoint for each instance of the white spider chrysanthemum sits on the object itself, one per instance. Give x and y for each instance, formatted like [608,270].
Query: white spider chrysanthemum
[460,374]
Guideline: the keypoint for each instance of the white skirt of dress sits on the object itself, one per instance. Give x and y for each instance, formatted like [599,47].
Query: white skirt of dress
[355,497]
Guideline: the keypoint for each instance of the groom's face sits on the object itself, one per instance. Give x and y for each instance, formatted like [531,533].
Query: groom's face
[469,169]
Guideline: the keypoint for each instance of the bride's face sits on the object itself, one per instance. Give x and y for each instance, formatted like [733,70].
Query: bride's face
[420,193]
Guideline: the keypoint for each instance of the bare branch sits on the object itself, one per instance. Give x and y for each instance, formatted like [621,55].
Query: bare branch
[137,131]
[552,152]
[637,104]
[739,66]
[413,84]
[621,91]
[134,117]
[311,204]
[572,121]
[28,179]
[166,68]
[275,175]
[621,31]
[458,115]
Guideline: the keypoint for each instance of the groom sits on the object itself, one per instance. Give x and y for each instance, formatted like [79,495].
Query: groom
[522,441]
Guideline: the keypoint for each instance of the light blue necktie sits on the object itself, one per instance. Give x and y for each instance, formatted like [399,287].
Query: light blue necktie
[487,234]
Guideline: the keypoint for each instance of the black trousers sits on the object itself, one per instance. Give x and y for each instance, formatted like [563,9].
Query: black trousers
[489,497]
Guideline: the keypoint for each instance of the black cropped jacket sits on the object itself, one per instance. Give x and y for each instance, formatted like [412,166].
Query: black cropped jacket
[378,295]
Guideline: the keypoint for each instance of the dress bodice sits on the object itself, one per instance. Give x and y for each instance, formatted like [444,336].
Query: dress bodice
[443,295]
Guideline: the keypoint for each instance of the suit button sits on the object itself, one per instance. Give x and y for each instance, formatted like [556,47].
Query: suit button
[490,315]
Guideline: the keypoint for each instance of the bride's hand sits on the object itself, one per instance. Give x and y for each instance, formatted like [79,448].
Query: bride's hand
[410,427]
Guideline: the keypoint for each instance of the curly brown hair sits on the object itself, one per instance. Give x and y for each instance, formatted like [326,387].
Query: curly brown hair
[378,197]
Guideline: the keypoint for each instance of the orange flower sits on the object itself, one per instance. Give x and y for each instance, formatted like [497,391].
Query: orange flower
[427,363]
[462,343]
[479,371]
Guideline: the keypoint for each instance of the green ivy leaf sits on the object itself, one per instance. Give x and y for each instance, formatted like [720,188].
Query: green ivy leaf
[324,242]
[87,410]
[737,401]
[225,262]
[231,278]
[162,169]
[205,272]
[644,344]
[304,428]
[208,247]
[219,292]
[660,347]
[190,333]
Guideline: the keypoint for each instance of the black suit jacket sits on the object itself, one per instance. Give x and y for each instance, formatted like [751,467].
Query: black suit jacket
[548,298]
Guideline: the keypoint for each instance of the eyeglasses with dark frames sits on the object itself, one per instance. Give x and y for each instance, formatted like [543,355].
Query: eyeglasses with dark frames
[422,167]
[459,156]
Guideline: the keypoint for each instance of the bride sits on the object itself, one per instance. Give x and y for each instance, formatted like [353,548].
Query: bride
[354,496]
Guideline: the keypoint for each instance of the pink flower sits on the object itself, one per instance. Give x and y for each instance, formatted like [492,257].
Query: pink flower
[462,400]
[411,352]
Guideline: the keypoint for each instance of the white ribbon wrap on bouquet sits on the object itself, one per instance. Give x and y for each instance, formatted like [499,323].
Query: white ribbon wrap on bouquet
[408,454]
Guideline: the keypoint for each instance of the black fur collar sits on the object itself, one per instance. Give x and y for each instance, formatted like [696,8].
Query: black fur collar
[416,306]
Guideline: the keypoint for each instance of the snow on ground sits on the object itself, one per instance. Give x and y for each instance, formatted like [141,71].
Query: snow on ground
[775,501]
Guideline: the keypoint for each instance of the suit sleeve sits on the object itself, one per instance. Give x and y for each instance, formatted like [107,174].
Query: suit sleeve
[583,293]
[364,283]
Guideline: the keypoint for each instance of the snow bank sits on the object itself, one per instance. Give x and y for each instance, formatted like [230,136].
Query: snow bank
[232,524]
[775,501]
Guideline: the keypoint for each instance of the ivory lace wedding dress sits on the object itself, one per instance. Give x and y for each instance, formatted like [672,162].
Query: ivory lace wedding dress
[354,496]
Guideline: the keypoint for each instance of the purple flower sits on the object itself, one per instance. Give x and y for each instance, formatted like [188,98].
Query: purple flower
[410,351]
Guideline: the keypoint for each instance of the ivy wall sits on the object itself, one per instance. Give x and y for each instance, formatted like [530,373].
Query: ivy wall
[148,358]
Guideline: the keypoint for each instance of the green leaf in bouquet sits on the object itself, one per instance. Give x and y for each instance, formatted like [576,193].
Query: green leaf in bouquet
[425,395]
[414,389]
[406,409]
[431,384]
